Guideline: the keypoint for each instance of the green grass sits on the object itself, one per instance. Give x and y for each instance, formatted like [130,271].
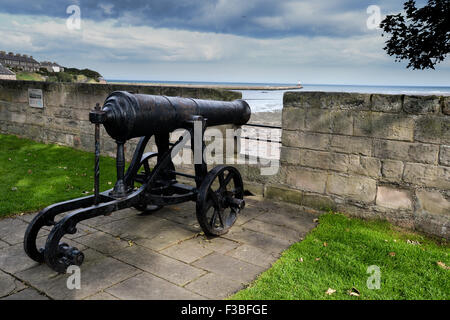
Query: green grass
[35,175]
[29,76]
[408,271]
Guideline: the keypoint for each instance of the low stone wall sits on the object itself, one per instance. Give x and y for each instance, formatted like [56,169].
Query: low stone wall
[369,155]
[65,117]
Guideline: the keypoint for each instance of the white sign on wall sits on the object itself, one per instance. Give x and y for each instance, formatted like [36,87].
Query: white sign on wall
[35,98]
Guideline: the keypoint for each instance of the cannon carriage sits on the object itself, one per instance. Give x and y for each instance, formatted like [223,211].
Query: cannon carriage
[218,193]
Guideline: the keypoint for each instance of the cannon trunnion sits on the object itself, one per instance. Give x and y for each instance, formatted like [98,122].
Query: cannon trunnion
[219,193]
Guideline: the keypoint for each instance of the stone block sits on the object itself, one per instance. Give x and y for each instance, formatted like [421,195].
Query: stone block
[229,267]
[394,198]
[318,120]
[366,166]
[257,239]
[290,155]
[444,156]
[167,268]
[146,286]
[387,103]
[280,193]
[433,202]
[421,104]
[405,151]
[342,122]
[445,103]
[354,145]
[214,286]
[392,170]
[306,179]
[293,118]
[355,188]
[314,141]
[254,255]
[427,175]
[432,129]
[384,125]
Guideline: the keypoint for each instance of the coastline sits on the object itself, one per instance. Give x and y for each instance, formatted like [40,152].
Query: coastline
[210,86]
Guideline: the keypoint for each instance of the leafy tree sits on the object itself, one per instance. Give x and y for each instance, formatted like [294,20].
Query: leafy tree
[420,35]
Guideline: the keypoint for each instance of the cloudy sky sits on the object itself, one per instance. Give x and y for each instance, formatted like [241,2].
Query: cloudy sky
[270,41]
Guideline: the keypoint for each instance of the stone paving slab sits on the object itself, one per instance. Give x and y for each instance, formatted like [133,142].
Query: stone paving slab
[229,267]
[214,286]
[26,294]
[163,255]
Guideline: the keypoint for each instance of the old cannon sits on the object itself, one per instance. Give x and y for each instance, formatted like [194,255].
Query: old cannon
[218,193]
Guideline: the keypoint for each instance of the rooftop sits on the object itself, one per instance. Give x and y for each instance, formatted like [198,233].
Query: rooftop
[5,71]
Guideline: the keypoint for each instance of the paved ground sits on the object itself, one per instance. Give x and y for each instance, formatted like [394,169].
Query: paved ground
[158,256]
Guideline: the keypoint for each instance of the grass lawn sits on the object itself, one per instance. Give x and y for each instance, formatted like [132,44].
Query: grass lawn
[35,175]
[337,254]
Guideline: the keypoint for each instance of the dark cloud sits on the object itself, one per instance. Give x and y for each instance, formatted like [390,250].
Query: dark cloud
[253,18]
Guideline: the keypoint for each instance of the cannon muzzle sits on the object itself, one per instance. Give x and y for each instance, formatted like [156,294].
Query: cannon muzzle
[126,115]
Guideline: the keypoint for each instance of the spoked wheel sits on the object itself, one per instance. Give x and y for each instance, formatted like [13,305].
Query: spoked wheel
[143,172]
[220,199]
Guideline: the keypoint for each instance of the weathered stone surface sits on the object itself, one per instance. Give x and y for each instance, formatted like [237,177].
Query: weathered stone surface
[355,188]
[293,118]
[445,102]
[433,202]
[14,259]
[354,145]
[214,286]
[387,102]
[102,295]
[167,268]
[281,193]
[318,201]
[421,104]
[392,170]
[342,122]
[274,230]
[97,273]
[7,284]
[12,231]
[148,287]
[405,151]
[427,175]
[254,255]
[103,242]
[318,120]
[444,156]
[257,239]
[229,267]
[432,129]
[27,294]
[365,166]
[314,141]
[436,224]
[384,125]
[394,198]
[187,251]
[306,179]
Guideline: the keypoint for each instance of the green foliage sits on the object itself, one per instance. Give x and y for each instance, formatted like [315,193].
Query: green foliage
[337,254]
[419,35]
[35,175]
[85,72]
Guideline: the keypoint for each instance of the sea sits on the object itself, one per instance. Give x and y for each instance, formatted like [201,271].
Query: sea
[272,100]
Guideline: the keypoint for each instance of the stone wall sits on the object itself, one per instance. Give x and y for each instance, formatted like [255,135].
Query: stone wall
[369,155]
[65,117]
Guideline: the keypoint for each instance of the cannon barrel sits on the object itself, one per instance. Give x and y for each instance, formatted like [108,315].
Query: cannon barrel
[127,115]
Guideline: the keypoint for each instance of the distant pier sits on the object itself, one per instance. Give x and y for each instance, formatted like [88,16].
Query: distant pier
[211,86]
